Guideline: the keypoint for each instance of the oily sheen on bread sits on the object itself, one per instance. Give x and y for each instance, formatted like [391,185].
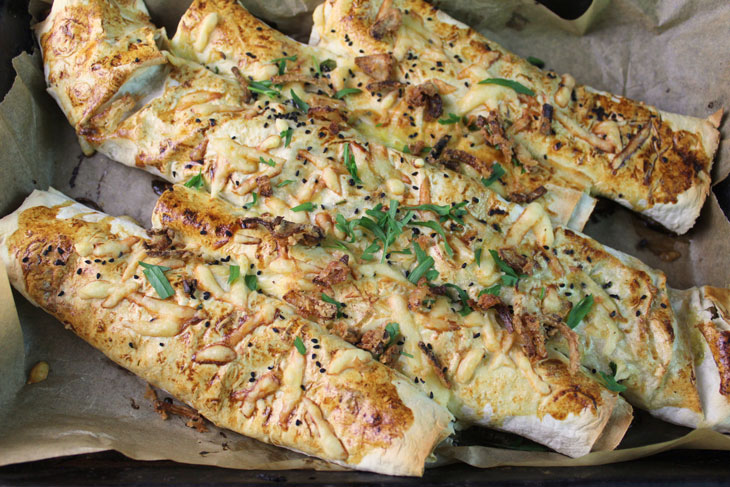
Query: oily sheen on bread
[465,361]
[653,162]
[244,360]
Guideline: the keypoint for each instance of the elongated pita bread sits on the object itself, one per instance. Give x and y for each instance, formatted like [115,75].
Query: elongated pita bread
[224,36]
[654,162]
[467,362]
[244,360]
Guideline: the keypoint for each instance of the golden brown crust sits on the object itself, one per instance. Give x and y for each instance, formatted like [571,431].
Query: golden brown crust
[229,354]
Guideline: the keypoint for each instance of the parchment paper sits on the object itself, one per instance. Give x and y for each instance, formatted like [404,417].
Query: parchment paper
[673,54]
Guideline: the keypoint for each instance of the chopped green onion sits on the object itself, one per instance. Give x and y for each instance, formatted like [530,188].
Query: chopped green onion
[155,275]
[284,183]
[517,86]
[478,256]
[301,104]
[304,207]
[347,91]
[196,181]
[610,380]
[253,202]
[282,62]
[579,311]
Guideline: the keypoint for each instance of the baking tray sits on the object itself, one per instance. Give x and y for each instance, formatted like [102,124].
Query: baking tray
[677,467]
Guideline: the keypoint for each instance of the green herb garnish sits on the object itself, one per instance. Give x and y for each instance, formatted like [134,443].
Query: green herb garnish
[453,118]
[542,293]
[287,136]
[346,227]
[406,354]
[385,225]
[263,87]
[445,212]
[196,181]
[347,91]
[234,272]
[536,61]
[252,282]
[424,267]
[284,183]
[155,275]
[518,87]
[300,346]
[308,206]
[497,172]
[510,277]
[337,304]
[493,290]
[463,297]
[478,256]
[579,311]
[350,164]
[270,162]
[301,104]
[367,254]
[393,330]
[609,381]
[282,62]
[327,65]
[437,228]
[253,202]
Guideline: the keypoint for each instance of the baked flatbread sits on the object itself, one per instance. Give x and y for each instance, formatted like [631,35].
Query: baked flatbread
[465,361]
[244,360]
[654,162]
[224,36]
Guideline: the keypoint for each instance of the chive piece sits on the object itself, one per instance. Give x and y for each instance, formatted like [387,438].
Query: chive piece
[515,85]
[493,290]
[463,297]
[300,346]
[284,183]
[338,305]
[542,293]
[270,162]
[407,354]
[610,380]
[445,212]
[497,172]
[282,62]
[350,164]
[304,207]
[335,244]
[393,330]
[263,87]
[346,227]
[155,275]
[510,277]
[437,228]
[535,61]
[453,118]
[425,262]
[406,149]
[196,181]
[301,104]
[478,256]
[327,65]
[347,91]
[367,254]
[579,311]
[234,272]
[253,202]
[287,136]
[252,282]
